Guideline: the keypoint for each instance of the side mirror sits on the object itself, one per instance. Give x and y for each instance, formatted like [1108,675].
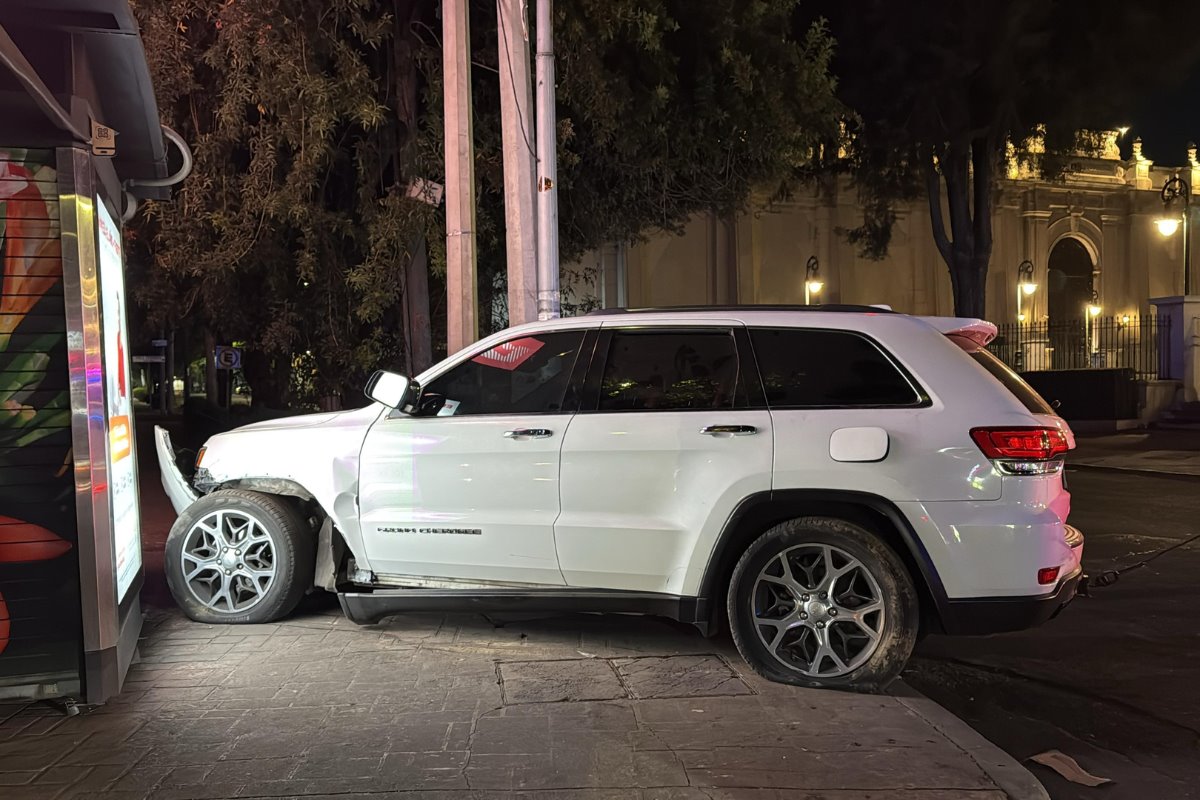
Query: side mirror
[390,389]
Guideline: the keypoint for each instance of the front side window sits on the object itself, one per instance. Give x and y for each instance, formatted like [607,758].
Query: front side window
[828,369]
[647,370]
[527,375]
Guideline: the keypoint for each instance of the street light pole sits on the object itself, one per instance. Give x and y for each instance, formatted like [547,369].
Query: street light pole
[520,173]
[547,182]
[1025,285]
[1187,239]
[462,319]
[812,280]
[1176,188]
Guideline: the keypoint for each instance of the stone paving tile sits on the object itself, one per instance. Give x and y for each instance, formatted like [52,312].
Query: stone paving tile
[679,676]
[439,706]
[559,681]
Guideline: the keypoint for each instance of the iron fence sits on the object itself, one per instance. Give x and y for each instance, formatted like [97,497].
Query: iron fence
[1142,344]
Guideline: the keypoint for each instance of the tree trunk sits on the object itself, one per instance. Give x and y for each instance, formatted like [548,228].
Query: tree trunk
[267,390]
[210,367]
[418,326]
[418,330]
[967,248]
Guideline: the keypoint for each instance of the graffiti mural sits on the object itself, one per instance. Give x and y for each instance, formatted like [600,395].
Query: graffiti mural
[39,601]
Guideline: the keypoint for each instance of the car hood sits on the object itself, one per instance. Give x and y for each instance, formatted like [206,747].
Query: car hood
[294,423]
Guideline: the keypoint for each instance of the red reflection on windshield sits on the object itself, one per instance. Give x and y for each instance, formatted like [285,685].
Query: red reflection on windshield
[510,355]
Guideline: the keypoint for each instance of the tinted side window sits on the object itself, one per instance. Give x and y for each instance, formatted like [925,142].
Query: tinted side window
[1001,372]
[828,369]
[529,375]
[671,370]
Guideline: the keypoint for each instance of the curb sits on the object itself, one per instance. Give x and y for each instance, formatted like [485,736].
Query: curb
[1152,473]
[1003,770]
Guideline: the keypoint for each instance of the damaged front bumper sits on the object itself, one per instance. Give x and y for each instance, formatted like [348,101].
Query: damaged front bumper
[174,484]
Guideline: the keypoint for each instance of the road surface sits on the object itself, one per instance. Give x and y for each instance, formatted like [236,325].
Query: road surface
[1114,681]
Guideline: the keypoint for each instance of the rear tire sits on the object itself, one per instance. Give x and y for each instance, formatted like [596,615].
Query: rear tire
[824,603]
[237,557]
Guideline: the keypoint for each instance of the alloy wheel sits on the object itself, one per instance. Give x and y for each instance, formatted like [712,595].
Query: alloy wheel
[818,610]
[228,561]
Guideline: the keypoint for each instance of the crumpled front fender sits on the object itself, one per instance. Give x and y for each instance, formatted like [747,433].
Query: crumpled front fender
[174,484]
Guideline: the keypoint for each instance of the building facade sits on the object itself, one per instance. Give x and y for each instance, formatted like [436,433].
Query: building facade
[1090,236]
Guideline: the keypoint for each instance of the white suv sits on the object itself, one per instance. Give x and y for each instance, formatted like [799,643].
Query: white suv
[832,481]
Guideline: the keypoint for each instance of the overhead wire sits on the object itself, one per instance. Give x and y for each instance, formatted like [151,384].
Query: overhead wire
[511,77]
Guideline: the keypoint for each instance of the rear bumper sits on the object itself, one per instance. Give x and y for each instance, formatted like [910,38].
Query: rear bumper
[978,616]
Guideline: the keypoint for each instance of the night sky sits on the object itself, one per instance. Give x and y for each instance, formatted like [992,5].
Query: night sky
[1166,121]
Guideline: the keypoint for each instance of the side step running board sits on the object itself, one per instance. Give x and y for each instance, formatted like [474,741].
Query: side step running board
[367,608]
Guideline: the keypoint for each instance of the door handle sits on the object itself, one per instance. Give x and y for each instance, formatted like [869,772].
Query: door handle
[729,430]
[529,433]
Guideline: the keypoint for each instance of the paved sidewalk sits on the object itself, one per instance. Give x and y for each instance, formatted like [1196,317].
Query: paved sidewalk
[1160,452]
[432,706]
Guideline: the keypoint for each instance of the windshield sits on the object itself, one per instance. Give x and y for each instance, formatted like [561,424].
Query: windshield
[1005,374]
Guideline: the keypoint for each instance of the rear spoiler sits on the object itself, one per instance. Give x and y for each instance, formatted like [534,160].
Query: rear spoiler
[977,330]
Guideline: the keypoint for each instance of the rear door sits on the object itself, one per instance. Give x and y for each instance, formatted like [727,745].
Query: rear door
[671,435]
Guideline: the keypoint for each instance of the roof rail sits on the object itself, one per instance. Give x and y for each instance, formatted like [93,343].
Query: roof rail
[830,307]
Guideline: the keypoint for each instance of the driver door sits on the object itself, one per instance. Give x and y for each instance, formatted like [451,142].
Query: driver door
[467,489]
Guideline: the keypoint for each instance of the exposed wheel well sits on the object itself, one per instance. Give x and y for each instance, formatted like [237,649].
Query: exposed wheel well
[331,550]
[758,514]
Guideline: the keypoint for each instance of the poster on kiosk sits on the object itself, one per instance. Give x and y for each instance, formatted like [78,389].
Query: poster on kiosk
[70,545]
[122,461]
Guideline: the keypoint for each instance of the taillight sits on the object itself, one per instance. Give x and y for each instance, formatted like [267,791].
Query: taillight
[1023,444]
[1023,451]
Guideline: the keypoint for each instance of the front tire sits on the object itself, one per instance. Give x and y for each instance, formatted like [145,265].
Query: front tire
[824,603]
[236,557]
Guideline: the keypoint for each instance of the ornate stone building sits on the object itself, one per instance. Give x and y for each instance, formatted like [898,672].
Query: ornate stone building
[1092,231]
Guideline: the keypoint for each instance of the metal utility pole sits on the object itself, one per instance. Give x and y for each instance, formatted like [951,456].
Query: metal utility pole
[462,291]
[516,124]
[547,189]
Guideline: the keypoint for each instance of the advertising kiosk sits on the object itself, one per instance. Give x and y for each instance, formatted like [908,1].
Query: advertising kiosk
[70,548]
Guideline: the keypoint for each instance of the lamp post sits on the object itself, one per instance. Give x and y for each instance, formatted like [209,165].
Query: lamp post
[1093,310]
[1026,285]
[812,280]
[1174,189]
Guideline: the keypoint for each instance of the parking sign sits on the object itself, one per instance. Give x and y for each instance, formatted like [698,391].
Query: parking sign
[228,357]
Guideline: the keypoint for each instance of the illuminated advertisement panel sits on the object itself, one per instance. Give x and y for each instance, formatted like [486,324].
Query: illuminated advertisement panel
[122,466]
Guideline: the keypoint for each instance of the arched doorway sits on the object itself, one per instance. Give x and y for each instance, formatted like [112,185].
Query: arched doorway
[1069,290]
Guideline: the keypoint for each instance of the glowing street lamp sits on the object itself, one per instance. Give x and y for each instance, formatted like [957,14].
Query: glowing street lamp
[1167,225]
[812,280]
[1177,188]
[1026,285]
[1093,309]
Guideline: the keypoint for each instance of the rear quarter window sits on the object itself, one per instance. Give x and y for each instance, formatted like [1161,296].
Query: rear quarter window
[809,368]
[1008,378]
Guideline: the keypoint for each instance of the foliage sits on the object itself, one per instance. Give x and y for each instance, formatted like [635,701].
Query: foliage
[293,214]
[940,89]
[666,109]
[308,118]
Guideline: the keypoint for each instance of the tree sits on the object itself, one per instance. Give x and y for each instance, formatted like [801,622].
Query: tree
[941,88]
[296,234]
[302,118]
[666,109]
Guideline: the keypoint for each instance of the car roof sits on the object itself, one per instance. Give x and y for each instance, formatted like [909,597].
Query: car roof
[742,309]
[841,317]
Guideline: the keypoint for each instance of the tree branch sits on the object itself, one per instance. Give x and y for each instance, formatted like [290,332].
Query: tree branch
[933,191]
